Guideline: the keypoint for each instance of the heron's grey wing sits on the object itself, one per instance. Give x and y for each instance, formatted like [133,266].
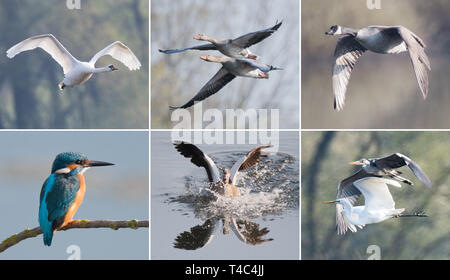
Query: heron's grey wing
[252,38]
[419,58]
[48,43]
[346,54]
[120,52]
[204,47]
[200,159]
[415,168]
[198,237]
[246,162]
[220,79]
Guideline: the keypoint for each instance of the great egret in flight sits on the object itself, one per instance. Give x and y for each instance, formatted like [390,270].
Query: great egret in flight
[371,182]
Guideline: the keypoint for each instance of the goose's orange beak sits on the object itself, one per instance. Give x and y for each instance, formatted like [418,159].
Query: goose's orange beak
[355,163]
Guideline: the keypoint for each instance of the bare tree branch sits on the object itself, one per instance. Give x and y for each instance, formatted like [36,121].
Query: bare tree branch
[30,233]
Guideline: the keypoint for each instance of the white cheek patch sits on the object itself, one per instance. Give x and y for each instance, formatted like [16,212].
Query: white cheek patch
[84,170]
[338,31]
[63,171]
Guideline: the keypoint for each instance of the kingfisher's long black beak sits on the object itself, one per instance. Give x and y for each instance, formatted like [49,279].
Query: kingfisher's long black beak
[94,163]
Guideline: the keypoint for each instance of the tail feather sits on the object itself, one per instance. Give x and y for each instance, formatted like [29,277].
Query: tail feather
[48,236]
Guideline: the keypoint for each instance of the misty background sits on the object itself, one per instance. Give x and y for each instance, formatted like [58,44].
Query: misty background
[29,82]
[383,91]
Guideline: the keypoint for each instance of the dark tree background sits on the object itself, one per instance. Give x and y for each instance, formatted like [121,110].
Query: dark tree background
[29,82]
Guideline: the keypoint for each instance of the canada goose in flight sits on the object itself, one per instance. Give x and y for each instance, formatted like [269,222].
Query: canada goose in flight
[227,186]
[236,48]
[76,72]
[378,39]
[371,182]
[231,68]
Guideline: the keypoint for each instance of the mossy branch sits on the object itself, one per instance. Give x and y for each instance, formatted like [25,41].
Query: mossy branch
[30,233]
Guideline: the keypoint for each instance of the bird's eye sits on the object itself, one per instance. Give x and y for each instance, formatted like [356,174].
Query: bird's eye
[78,162]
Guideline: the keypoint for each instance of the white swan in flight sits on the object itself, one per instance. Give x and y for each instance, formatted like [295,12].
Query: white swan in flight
[76,72]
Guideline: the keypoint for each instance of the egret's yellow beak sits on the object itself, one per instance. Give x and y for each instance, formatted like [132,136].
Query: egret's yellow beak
[355,163]
[330,202]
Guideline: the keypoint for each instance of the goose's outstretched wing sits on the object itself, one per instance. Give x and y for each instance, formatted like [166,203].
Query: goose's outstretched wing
[347,53]
[220,79]
[200,159]
[247,161]
[48,43]
[419,59]
[120,52]
[252,38]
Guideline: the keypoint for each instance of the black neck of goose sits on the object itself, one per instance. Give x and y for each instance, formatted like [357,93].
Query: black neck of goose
[350,31]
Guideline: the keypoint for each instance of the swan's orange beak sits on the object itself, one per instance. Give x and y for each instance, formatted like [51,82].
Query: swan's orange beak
[355,163]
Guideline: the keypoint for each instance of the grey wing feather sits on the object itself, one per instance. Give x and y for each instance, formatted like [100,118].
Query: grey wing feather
[346,54]
[252,38]
[204,47]
[217,82]
[419,59]
[415,168]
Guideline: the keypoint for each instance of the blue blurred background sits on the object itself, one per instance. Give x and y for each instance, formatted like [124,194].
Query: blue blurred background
[119,192]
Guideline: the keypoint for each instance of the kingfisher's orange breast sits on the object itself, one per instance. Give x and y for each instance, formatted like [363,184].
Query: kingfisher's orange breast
[76,203]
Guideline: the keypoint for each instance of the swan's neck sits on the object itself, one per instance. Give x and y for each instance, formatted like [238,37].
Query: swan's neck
[102,70]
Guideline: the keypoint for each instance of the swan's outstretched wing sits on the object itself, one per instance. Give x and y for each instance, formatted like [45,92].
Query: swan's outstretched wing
[48,43]
[247,161]
[252,38]
[347,52]
[376,193]
[419,59]
[220,79]
[398,160]
[204,47]
[200,159]
[120,52]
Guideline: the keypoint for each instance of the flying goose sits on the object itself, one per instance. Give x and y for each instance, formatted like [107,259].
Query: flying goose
[371,182]
[231,68]
[76,72]
[236,48]
[227,186]
[378,39]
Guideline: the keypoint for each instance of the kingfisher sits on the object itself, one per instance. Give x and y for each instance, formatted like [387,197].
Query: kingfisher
[63,192]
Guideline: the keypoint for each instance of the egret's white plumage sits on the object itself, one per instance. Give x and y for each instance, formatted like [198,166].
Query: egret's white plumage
[371,182]
[76,72]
